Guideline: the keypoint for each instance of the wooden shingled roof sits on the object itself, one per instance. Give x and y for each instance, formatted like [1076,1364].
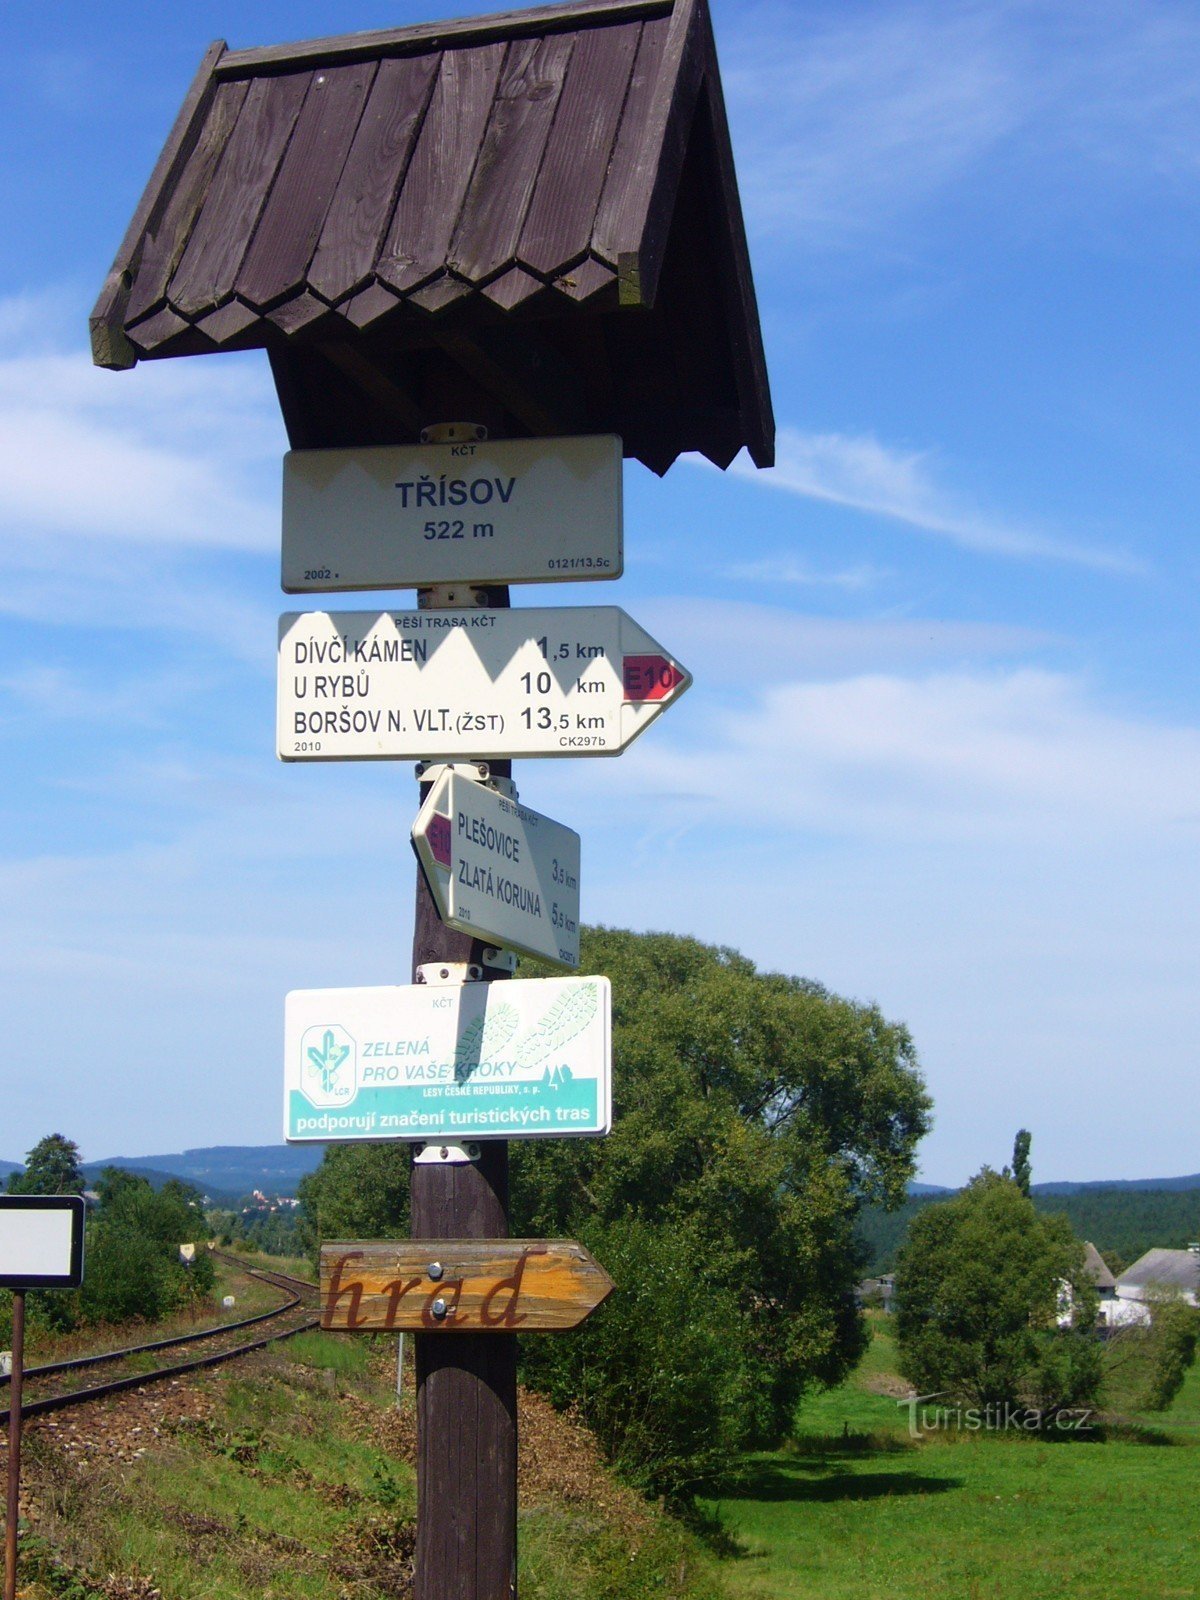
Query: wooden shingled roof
[535,214]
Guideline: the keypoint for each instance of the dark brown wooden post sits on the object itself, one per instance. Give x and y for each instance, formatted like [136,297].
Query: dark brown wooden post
[466,1383]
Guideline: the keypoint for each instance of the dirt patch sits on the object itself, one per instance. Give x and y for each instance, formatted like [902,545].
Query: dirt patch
[123,1427]
[888,1384]
[558,1459]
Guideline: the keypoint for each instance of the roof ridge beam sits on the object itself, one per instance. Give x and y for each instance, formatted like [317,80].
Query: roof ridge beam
[438,35]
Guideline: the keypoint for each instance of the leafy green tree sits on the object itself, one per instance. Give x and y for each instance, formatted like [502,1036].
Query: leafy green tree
[360,1191]
[1122,1223]
[51,1167]
[114,1182]
[981,1284]
[133,1265]
[1021,1170]
[658,1372]
[753,1115]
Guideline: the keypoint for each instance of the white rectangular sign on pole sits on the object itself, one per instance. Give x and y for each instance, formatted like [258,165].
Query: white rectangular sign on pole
[518,1059]
[500,871]
[489,684]
[41,1241]
[503,511]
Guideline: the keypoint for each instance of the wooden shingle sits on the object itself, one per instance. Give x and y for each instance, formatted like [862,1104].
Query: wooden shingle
[385,212]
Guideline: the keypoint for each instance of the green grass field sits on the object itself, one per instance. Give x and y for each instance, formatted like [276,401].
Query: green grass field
[856,1510]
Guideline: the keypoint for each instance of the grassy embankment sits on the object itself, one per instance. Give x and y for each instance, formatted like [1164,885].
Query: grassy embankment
[856,1510]
[290,1479]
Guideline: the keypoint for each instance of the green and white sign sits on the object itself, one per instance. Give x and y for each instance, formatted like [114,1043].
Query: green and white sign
[518,1059]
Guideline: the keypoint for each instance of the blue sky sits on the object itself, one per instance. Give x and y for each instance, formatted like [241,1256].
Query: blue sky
[943,749]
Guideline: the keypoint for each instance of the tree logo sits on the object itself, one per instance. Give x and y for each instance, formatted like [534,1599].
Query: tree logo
[328,1066]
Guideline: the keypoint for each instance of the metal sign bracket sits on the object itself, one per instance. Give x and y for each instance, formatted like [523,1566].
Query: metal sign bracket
[451,597]
[449,972]
[477,771]
[445,1155]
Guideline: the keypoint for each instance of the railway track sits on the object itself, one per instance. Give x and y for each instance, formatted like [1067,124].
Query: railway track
[301,1298]
[285,1280]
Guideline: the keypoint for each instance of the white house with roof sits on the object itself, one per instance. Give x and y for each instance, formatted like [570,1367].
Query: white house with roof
[1096,1268]
[1158,1272]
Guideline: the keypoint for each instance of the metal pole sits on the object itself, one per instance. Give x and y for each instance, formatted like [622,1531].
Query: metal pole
[14,1446]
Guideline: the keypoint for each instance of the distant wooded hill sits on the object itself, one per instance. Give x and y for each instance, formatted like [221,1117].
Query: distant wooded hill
[1122,1218]
[225,1172]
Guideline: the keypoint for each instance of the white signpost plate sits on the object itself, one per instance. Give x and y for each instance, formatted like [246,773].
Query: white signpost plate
[499,870]
[415,685]
[519,1059]
[41,1241]
[508,511]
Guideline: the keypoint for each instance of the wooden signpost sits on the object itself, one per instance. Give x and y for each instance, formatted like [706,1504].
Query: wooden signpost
[530,221]
[460,1286]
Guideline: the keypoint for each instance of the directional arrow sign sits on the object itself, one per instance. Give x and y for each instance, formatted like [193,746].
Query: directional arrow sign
[413,685]
[460,1285]
[527,1059]
[499,870]
[505,511]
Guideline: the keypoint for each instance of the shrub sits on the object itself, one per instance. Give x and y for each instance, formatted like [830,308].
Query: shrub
[980,1287]
[661,1373]
[1144,1367]
[128,1276]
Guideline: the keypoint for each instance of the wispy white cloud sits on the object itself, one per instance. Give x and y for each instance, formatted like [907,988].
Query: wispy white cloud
[880,110]
[1022,754]
[868,116]
[121,494]
[56,693]
[167,456]
[737,645]
[77,583]
[859,472]
[796,574]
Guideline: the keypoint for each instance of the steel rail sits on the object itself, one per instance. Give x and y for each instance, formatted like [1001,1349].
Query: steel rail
[139,1380]
[76,1362]
[266,1272]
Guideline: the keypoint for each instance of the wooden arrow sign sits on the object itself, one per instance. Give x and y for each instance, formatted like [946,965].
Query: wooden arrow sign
[460,1285]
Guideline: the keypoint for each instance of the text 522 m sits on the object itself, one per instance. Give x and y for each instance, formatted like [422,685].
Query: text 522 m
[457,529]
